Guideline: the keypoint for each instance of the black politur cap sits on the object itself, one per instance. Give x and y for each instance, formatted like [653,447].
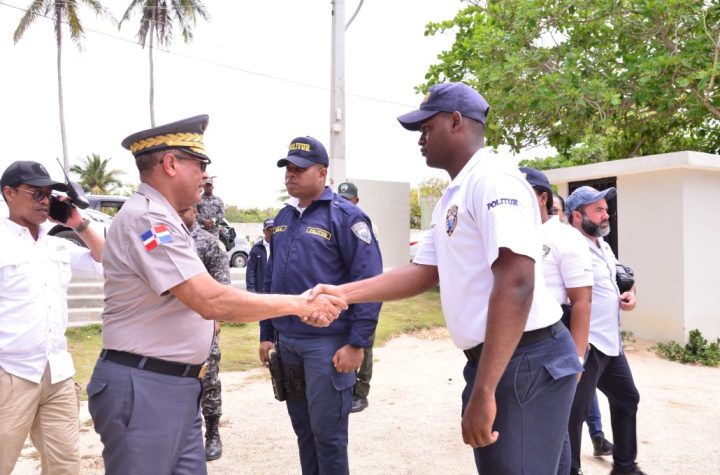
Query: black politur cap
[348,190]
[305,152]
[185,135]
[29,173]
[537,179]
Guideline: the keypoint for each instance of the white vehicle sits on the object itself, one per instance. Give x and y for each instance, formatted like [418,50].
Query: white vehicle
[239,253]
[416,238]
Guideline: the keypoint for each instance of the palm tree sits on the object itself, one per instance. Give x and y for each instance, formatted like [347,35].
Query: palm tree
[63,12]
[95,177]
[156,25]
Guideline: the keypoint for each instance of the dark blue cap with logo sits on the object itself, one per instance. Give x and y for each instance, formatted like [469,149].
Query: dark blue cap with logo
[447,97]
[268,223]
[586,195]
[537,179]
[29,173]
[305,152]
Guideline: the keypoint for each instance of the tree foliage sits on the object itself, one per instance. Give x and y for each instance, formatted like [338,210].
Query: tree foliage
[156,27]
[95,176]
[595,79]
[427,192]
[249,215]
[62,12]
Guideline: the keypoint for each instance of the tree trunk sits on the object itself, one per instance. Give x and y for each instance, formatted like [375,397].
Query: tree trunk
[61,106]
[152,74]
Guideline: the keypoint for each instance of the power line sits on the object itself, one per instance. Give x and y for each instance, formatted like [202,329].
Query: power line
[219,64]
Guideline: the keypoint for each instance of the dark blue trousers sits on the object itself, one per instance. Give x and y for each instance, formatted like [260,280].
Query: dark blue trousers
[612,376]
[533,401]
[594,419]
[148,422]
[321,421]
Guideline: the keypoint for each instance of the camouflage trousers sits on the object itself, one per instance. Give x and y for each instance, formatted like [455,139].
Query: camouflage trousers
[211,399]
[364,374]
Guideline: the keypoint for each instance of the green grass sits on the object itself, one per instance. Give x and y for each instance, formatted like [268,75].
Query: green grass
[239,341]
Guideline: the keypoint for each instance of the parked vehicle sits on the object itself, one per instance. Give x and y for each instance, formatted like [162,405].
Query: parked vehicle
[227,235]
[416,238]
[239,253]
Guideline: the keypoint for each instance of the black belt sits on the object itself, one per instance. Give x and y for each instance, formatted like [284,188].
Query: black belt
[154,365]
[527,339]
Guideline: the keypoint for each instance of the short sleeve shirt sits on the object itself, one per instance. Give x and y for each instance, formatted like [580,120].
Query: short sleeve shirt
[488,206]
[605,309]
[147,252]
[566,259]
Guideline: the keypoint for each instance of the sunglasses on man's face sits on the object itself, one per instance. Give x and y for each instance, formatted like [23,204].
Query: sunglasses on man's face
[203,163]
[37,194]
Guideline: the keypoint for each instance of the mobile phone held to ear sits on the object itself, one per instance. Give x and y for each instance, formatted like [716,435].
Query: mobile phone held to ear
[59,210]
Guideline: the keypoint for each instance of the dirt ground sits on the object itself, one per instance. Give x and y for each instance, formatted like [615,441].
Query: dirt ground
[413,423]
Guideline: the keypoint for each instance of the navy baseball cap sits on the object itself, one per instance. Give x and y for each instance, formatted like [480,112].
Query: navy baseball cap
[268,223]
[536,178]
[586,195]
[29,173]
[305,152]
[447,97]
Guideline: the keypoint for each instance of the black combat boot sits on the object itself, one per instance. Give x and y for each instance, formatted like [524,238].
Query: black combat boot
[213,445]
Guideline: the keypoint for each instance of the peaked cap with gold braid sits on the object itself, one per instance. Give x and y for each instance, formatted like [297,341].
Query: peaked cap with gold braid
[185,135]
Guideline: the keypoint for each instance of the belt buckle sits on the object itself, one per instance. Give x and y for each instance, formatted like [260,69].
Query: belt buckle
[203,370]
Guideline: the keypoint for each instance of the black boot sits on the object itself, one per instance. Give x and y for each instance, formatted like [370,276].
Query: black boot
[213,445]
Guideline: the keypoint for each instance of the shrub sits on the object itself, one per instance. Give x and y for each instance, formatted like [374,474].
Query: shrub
[696,351]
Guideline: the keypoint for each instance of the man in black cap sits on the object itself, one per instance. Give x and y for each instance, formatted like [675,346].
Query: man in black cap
[258,258]
[349,191]
[39,396]
[484,249]
[319,237]
[160,303]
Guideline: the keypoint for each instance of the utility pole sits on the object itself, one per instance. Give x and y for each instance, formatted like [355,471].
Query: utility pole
[337,95]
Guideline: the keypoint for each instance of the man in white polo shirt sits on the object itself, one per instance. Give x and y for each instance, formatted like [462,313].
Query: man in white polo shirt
[606,366]
[485,250]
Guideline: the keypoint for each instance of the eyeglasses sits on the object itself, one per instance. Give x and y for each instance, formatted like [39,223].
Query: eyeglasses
[203,163]
[38,195]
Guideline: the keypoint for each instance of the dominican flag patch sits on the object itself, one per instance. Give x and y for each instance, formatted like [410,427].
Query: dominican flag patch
[153,237]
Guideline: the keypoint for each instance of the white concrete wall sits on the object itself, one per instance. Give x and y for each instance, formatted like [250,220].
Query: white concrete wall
[668,233]
[701,196]
[387,203]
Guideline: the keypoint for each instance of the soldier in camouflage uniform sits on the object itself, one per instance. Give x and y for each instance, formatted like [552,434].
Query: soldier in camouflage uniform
[216,263]
[210,209]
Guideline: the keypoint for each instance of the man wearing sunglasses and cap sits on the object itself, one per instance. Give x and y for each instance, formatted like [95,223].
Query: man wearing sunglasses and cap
[160,303]
[37,392]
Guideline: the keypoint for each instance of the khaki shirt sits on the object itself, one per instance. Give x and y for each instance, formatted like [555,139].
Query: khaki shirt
[148,251]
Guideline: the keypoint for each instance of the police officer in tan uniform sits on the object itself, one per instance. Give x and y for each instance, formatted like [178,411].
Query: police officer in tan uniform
[159,305]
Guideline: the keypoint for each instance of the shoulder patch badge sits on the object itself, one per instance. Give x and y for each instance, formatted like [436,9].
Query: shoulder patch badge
[451,220]
[362,231]
[155,236]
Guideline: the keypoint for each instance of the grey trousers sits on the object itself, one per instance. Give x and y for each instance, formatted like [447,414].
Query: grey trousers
[148,422]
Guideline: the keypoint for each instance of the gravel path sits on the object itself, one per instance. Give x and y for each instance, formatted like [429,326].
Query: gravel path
[413,423]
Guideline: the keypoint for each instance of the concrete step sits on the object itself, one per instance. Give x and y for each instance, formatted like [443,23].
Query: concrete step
[86,301]
[86,288]
[84,315]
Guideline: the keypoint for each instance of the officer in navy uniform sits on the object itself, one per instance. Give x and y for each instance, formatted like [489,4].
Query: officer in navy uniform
[160,301]
[319,237]
[258,258]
